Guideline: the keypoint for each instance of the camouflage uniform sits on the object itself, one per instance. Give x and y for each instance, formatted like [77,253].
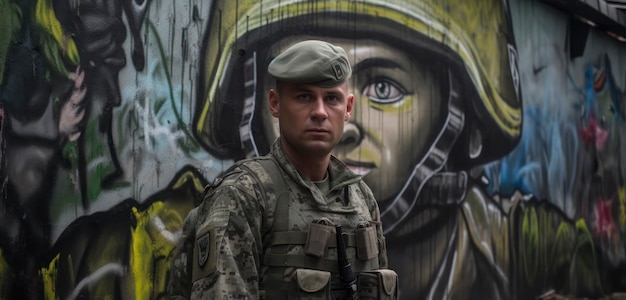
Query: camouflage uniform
[243,248]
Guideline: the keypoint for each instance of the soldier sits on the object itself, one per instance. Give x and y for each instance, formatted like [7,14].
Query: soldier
[266,229]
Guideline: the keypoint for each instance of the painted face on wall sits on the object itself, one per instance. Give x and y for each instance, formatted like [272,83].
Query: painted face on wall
[397,110]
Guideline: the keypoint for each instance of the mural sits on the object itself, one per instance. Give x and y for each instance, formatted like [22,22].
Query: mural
[496,156]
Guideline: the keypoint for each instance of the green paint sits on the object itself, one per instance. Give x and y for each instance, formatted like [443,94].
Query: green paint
[530,242]
[10,24]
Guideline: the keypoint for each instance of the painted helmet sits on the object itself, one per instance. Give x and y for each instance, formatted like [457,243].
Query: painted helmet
[473,38]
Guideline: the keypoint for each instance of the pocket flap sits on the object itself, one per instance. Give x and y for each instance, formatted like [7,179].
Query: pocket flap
[312,281]
[389,279]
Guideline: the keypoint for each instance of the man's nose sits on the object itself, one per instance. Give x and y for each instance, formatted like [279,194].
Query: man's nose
[319,109]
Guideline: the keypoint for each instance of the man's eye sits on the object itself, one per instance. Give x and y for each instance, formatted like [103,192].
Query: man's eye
[332,99]
[384,91]
[303,97]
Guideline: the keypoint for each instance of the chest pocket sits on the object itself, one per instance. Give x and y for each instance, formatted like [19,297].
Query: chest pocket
[378,285]
[310,284]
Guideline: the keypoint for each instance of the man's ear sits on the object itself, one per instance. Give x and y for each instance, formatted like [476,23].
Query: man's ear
[274,103]
[349,107]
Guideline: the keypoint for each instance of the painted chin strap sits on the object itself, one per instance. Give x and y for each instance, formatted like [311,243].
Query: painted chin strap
[430,166]
[246,135]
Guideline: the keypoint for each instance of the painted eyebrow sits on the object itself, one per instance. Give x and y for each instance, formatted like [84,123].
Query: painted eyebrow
[377,62]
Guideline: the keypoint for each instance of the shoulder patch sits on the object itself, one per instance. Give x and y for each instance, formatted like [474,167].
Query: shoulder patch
[202,243]
[205,256]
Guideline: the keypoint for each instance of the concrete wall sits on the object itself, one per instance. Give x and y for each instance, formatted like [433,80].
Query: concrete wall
[492,134]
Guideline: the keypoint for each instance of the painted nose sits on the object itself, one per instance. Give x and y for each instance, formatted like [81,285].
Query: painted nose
[352,135]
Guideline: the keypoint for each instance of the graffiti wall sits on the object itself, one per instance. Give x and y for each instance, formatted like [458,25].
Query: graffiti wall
[492,142]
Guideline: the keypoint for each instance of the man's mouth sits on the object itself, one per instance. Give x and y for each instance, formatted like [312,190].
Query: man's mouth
[317,133]
[317,130]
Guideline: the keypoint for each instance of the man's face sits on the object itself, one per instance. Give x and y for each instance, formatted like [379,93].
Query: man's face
[397,109]
[311,118]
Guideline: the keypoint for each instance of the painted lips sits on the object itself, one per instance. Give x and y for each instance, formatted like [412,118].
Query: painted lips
[358,167]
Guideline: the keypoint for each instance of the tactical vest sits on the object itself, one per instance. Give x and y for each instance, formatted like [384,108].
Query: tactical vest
[300,257]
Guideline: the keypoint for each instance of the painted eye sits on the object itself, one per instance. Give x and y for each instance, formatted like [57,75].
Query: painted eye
[384,91]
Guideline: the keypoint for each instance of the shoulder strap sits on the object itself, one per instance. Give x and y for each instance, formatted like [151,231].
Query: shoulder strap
[281,210]
[281,220]
[275,276]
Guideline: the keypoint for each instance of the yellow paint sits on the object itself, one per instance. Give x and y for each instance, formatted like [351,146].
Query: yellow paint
[583,233]
[5,281]
[529,249]
[49,278]
[621,192]
[565,239]
[398,107]
[197,184]
[141,255]
[150,249]
[46,17]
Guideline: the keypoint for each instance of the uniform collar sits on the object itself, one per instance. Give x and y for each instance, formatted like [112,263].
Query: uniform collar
[339,174]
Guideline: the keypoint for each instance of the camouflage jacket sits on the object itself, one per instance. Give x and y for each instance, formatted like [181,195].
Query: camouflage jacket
[239,251]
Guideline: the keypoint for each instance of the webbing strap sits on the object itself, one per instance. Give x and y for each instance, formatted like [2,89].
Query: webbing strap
[281,213]
[300,261]
[275,276]
[299,238]
[280,261]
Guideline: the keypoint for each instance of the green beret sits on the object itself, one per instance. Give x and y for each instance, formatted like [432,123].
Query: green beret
[316,62]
